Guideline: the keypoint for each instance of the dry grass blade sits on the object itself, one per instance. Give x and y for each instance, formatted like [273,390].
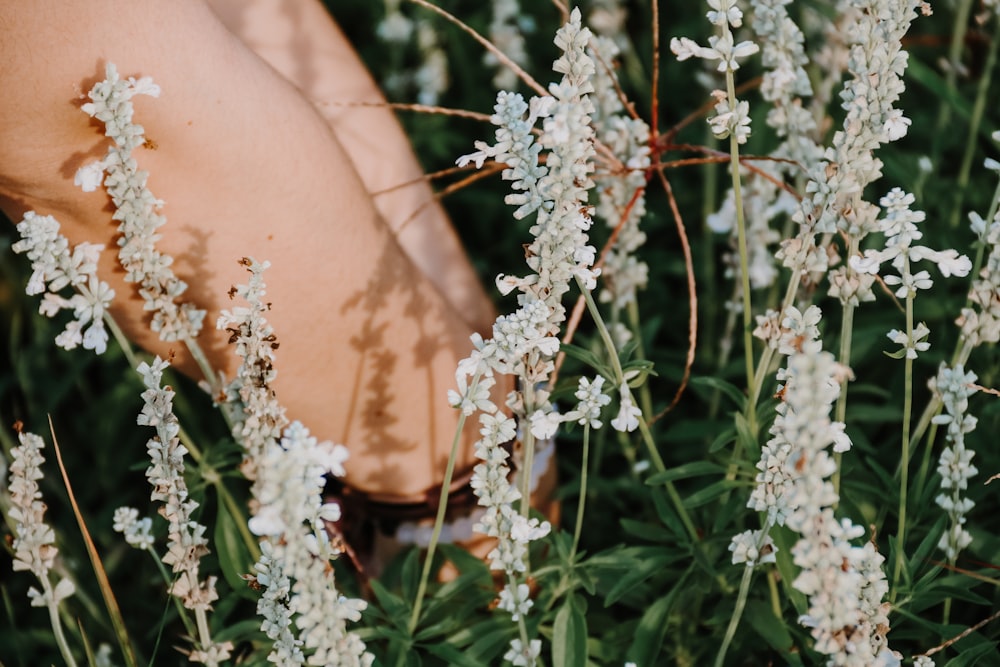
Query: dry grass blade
[95,561]
[488,45]
[454,187]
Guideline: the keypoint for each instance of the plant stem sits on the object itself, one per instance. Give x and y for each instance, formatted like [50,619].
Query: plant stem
[439,519]
[846,333]
[57,629]
[582,502]
[528,459]
[904,476]
[741,599]
[734,620]
[734,168]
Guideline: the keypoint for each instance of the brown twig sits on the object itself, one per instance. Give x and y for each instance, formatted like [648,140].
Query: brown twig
[418,108]
[622,97]
[488,45]
[654,112]
[692,297]
[441,173]
[962,635]
[454,187]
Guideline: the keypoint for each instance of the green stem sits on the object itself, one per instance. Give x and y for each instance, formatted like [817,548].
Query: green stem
[734,168]
[528,460]
[169,582]
[439,519]
[582,502]
[645,397]
[57,628]
[904,476]
[846,333]
[734,620]
[741,599]
[974,122]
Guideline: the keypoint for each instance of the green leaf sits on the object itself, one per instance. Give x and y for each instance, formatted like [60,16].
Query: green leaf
[569,638]
[395,607]
[972,656]
[583,355]
[746,436]
[693,469]
[721,440]
[710,493]
[452,655]
[772,629]
[729,389]
[234,560]
[898,354]
[651,630]
[410,577]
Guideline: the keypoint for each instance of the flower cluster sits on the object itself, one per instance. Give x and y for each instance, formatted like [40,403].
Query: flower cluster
[294,568]
[136,208]
[137,532]
[262,418]
[54,266]
[955,386]
[876,64]
[186,541]
[34,541]
[845,584]
[732,116]
[524,342]
[899,224]
[753,547]
[980,322]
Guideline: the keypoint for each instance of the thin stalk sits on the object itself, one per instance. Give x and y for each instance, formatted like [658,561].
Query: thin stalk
[582,502]
[439,519]
[204,634]
[734,620]
[974,122]
[57,628]
[741,600]
[181,610]
[734,168]
[904,476]
[528,459]
[846,333]
[645,397]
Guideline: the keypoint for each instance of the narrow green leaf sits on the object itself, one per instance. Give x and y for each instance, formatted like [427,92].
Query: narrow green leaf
[973,656]
[721,440]
[729,389]
[773,630]
[651,630]
[710,493]
[569,638]
[693,469]
[234,560]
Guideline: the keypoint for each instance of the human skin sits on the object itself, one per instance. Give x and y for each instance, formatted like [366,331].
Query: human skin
[248,166]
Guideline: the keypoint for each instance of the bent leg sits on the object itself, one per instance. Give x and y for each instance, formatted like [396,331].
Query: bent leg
[246,167]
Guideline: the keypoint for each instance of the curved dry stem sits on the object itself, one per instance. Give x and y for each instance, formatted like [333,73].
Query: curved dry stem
[488,45]
[454,187]
[418,108]
[692,296]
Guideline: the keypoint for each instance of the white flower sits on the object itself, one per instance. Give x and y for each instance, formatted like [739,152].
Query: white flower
[752,547]
[522,656]
[544,424]
[138,532]
[896,125]
[628,413]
